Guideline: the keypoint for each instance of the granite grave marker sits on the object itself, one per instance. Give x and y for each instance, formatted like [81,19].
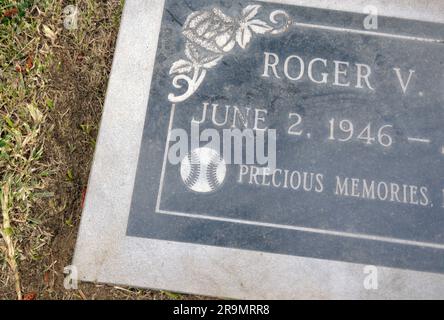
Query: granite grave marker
[351,115]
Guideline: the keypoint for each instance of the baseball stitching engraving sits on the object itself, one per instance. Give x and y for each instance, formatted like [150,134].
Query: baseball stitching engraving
[203,170]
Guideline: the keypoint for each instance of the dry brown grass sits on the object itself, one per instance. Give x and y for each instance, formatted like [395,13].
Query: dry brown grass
[52,89]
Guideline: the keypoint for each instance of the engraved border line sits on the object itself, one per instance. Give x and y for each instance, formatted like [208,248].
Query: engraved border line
[366,32]
[165,156]
[310,230]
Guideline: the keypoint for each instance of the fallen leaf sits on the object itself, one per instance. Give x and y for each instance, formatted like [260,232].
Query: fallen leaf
[46,277]
[10,13]
[83,197]
[30,296]
[49,33]
[29,62]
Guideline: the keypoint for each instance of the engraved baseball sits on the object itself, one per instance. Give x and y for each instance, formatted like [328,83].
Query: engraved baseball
[203,170]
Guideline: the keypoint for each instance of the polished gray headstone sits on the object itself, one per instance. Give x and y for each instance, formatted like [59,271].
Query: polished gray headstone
[357,195]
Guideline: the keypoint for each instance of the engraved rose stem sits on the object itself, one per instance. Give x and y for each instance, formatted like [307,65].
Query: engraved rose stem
[192,83]
[285,21]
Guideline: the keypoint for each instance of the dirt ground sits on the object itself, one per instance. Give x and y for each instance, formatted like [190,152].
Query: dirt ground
[60,76]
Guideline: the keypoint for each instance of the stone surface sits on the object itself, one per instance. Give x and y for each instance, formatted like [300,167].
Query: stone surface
[360,148]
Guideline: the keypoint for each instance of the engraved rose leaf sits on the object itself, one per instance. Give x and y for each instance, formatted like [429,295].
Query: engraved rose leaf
[259,26]
[181,67]
[250,12]
[210,63]
[243,37]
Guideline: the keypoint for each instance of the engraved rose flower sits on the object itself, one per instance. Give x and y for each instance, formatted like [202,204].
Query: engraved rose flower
[211,30]
[210,35]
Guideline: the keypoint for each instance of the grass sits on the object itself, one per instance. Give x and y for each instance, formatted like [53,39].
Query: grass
[23,61]
[52,88]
